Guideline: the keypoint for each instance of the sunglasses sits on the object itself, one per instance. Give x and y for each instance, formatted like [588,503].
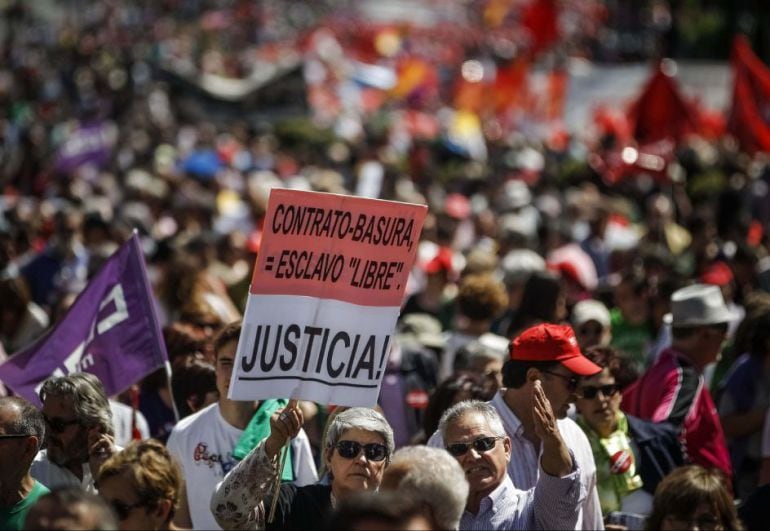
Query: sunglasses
[572,381]
[590,330]
[122,510]
[13,435]
[481,445]
[58,425]
[352,449]
[590,391]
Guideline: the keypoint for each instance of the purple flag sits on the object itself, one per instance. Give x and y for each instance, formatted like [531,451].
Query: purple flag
[91,143]
[111,331]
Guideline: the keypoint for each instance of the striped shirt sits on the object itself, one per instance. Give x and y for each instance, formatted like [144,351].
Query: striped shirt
[524,467]
[552,504]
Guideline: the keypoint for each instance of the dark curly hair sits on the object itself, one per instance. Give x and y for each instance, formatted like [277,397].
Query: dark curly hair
[621,368]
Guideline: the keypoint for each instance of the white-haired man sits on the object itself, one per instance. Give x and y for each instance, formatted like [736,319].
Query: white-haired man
[547,354]
[429,476]
[474,435]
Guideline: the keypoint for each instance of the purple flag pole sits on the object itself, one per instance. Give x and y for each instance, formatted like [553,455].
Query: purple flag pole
[111,330]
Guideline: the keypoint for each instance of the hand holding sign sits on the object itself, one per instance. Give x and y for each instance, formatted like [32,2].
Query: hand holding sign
[284,426]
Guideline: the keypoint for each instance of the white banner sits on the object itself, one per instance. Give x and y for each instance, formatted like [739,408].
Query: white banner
[324,298]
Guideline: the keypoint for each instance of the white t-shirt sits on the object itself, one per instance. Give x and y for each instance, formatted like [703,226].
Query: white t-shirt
[53,476]
[203,444]
[122,417]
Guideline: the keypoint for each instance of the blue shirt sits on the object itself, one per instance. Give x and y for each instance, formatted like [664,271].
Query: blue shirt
[554,503]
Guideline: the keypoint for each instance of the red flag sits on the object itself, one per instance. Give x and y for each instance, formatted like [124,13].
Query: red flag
[510,85]
[661,112]
[749,120]
[540,17]
[557,93]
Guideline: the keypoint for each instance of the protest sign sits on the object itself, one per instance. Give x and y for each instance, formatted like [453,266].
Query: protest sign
[324,298]
[111,330]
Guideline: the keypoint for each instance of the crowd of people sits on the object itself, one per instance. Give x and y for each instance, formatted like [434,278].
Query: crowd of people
[570,354]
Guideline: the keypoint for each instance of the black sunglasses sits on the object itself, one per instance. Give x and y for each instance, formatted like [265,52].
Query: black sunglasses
[481,445]
[58,425]
[588,329]
[122,510]
[352,449]
[590,391]
[572,381]
[13,435]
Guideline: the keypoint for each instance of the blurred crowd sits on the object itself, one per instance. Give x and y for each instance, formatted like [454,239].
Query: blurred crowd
[588,352]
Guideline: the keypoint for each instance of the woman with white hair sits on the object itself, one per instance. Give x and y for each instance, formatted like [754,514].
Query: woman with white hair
[359,445]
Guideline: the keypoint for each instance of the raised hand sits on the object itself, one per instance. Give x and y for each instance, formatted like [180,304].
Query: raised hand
[101,446]
[284,425]
[556,459]
[542,414]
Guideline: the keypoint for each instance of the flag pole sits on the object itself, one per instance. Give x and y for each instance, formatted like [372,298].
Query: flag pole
[282,462]
[167,365]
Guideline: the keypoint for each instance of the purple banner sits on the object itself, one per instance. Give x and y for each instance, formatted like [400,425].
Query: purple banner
[90,144]
[111,331]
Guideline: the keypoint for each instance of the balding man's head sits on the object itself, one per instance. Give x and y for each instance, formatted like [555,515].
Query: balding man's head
[71,508]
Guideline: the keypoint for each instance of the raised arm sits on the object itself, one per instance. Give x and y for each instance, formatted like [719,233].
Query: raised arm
[556,459]
[557,497]
[238,501]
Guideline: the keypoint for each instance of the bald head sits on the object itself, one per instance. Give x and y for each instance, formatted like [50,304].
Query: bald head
[71,508]
[23,421]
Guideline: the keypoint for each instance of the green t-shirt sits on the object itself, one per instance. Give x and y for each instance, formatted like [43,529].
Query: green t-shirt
[632,340]
[12,518]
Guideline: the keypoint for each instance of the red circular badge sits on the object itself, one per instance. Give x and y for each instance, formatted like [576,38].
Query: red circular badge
[417,399]
[621,461]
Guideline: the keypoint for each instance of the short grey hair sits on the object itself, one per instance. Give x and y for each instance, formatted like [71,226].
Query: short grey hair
[362,418]
[484,409]
[29,419]
[433,477]
[92,407]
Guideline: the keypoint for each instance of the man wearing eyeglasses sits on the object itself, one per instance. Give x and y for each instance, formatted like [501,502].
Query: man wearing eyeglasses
[672,390]
[79,431]
[21,434]
[547,353]
[473,433]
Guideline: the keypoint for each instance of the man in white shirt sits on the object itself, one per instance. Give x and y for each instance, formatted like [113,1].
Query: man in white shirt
[548,353]
[203,443]
[79,431]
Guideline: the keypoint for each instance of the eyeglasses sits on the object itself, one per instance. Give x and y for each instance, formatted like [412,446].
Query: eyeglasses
[719,329]
[122,510]
[481,445]
[590,391]
[58,425]
[572,381]
[590,330]
[352,449]
[13,435]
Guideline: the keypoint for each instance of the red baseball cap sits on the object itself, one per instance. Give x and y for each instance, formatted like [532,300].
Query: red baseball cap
[442,262]
[457,206]
[717,274]
[552,342]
